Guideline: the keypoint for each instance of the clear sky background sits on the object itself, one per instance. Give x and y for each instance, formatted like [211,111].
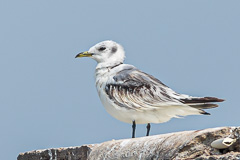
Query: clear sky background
[48,98]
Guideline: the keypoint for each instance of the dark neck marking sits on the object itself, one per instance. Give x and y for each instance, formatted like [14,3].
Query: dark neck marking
[111,67]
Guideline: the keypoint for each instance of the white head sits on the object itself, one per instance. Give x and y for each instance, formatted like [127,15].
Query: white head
[108,52]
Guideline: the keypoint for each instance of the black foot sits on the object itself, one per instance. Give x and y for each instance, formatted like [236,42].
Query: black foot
[148,129]
[133,129]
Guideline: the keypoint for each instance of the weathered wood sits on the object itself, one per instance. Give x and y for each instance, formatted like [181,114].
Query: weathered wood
[180,145]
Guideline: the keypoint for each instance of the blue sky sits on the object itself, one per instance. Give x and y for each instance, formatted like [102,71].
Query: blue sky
[48,98]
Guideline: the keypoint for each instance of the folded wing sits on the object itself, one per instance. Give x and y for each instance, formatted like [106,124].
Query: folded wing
[134,89]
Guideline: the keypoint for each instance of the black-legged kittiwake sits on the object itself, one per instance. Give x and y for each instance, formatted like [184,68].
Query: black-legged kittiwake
[135,97]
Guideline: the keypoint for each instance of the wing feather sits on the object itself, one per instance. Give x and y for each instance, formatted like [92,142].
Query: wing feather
[134,89]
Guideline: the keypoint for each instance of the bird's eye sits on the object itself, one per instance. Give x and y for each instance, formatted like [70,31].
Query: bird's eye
[102,48]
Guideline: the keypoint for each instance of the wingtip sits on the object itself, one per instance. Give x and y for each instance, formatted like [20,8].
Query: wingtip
[221,100]
[214,99]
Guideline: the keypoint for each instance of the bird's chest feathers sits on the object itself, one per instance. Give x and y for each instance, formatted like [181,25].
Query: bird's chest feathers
[103,77]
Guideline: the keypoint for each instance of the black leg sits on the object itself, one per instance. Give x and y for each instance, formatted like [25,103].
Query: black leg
[133,129]
[148,129]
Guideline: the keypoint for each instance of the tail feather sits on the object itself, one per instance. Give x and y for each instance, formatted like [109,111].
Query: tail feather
[204,112]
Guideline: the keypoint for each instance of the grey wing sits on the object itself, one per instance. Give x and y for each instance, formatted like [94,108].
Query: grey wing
[134,89]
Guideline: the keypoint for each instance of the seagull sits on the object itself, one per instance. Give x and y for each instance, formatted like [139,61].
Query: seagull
[133,96]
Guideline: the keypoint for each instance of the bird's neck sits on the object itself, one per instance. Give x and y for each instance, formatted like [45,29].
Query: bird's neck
[108,65]
[103,71]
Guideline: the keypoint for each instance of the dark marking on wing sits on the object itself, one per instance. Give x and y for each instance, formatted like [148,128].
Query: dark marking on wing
[201,100]
[134,88]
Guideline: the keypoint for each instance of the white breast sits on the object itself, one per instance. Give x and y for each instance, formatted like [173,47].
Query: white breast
[104,76]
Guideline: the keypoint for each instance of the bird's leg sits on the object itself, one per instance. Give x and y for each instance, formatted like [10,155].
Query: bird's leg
[133,129]
[148,129]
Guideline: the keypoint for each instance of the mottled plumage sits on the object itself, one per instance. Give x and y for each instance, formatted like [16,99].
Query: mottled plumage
[133,96]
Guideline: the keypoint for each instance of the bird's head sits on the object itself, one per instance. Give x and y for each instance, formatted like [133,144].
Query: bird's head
[105,52]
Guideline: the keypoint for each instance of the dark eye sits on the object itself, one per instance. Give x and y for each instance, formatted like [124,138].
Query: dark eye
[102,48]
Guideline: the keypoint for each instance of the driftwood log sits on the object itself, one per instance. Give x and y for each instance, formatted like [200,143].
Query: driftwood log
[179,145]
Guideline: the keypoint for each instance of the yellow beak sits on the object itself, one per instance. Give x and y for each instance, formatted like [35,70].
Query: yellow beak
[84,54]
